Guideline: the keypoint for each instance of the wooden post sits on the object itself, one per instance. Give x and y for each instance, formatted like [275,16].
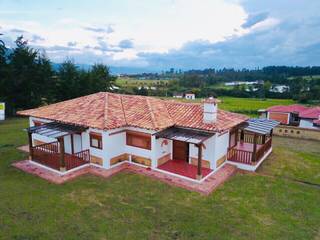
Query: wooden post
[241,136]
[30,146]
[62,161]
[199,173]
[263,139]
[72,145]
[237,133]
[254,148]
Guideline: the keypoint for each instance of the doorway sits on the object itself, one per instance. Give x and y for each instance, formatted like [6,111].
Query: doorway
[180,150]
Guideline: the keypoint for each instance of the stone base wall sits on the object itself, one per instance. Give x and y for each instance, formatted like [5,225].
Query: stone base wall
[221,160]
[96,160]
[297,132]
[141,160]
[205,163]
[120,158]
[164,159]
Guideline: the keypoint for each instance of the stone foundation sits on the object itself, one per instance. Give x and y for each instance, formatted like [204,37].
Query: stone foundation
[96,160]
[164,159]
[205,163]
[120,158]
[141,160]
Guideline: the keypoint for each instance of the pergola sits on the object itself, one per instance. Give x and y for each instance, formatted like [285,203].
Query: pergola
[258,126]
[192,136]
[55,130]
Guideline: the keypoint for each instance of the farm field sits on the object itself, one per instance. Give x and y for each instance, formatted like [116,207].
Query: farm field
[130,206]
[248,106]
[130,82]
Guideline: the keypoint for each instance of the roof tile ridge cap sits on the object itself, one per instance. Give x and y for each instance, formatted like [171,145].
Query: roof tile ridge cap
[105,115]
[124,113]
[151,113]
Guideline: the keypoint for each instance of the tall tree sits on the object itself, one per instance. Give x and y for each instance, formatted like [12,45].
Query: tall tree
[68,81]
[100,78]
[29,77]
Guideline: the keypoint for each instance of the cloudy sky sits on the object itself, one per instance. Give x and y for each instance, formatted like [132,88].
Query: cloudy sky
[159,34]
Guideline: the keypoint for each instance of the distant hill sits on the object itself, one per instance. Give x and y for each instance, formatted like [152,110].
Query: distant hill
[114,70]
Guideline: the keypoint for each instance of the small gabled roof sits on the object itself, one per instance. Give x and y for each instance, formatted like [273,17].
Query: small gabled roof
[287,109]
[312,113]
[56,129]
[261,125]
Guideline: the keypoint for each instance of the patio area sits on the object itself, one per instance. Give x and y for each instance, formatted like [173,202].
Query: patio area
[183,168]
[206,187]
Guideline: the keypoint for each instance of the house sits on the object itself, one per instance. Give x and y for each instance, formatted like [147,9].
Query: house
[310,118]
[295,115]
[279,88]
[190,96]
[189,140]
[288,115]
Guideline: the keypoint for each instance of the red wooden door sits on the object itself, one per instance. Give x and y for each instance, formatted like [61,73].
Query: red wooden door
[180,150]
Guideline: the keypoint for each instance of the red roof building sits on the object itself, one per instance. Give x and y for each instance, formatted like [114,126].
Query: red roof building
[190,140]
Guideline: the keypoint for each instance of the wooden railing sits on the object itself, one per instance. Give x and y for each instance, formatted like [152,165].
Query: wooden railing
[263,149]
[48,154]
[243,156]
[240,156]
[77,159]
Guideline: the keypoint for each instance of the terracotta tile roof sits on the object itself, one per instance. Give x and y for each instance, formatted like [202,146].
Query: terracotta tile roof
[288,109]
[312,113]
[109,111]
[316,122]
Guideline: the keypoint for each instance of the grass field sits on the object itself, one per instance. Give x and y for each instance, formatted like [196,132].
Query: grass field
[248,106]
[131,82]
[130,206]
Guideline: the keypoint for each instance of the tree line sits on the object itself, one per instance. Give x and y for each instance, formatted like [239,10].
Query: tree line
[28,79]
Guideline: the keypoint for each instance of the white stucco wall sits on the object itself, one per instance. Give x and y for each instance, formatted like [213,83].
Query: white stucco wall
[115,144]
[307,123]
[207,151]
[221,146]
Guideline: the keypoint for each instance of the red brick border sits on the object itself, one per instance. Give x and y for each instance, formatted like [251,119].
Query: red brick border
[205,187]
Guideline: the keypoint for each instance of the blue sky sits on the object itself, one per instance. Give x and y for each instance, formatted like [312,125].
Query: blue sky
[160,34]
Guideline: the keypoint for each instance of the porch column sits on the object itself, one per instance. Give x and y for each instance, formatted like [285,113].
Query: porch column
[72,145]
[263,139]
[241,136]
[254,148]
[199,172]
[30,146]
[62,161]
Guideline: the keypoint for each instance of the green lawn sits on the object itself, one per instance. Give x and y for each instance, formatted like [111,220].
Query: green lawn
[294,159]
[248,106]
[130,206]
[133,82]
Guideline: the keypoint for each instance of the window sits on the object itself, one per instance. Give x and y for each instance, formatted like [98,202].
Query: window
[298,132]
[140,140]
[37,123]
[96,140]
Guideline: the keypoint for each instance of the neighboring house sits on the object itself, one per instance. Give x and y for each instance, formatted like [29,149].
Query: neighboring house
[190,96]
[310,118]
[294,115]
[189,140]
[279,88]
[288,115]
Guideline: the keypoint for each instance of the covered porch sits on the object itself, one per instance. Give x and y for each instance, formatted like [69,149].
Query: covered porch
[180,163]
[251,143]
[53,154]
